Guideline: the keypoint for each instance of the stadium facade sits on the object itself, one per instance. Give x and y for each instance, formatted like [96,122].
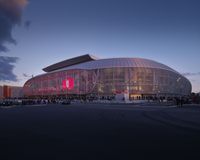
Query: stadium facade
[89,76]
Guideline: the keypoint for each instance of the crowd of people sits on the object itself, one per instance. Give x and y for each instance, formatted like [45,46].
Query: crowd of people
[179,101]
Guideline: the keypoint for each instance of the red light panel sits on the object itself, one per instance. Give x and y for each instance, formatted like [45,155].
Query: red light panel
[68,83]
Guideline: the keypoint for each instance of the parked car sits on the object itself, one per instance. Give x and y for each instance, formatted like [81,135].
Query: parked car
[66,102]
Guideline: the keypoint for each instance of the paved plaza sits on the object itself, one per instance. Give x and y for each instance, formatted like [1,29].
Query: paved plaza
[99,131]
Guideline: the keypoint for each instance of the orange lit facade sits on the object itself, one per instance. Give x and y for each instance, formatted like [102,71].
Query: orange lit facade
[6,92]
[1,92]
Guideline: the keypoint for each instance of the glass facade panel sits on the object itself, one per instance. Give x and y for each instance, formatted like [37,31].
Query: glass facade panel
[109,81]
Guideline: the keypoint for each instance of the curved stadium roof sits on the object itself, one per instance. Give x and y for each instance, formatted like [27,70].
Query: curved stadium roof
[119,62]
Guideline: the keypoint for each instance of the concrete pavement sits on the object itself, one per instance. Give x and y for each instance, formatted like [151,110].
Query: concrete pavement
[99,131]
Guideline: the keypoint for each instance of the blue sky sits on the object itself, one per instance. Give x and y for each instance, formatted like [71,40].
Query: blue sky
[167,31]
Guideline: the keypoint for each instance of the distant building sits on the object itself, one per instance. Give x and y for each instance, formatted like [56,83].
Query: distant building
[86,75]
[11,91]
[6,91]
[1,92]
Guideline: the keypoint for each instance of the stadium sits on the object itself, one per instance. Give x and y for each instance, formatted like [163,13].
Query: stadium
[88,76]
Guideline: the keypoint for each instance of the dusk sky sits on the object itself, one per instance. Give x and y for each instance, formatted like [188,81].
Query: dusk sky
[42,32]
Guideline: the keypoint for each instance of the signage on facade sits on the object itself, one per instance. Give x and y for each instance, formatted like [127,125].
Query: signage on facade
[68,83]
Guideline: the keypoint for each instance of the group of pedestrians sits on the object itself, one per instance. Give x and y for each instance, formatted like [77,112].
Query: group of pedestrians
[179,101]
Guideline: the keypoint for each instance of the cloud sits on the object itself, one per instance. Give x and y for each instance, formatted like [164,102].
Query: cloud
[25,75]
[6,68]
[191,74]
[10,15]
[27,24]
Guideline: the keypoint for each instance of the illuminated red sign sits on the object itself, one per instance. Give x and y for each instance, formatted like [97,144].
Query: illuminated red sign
[68,83]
